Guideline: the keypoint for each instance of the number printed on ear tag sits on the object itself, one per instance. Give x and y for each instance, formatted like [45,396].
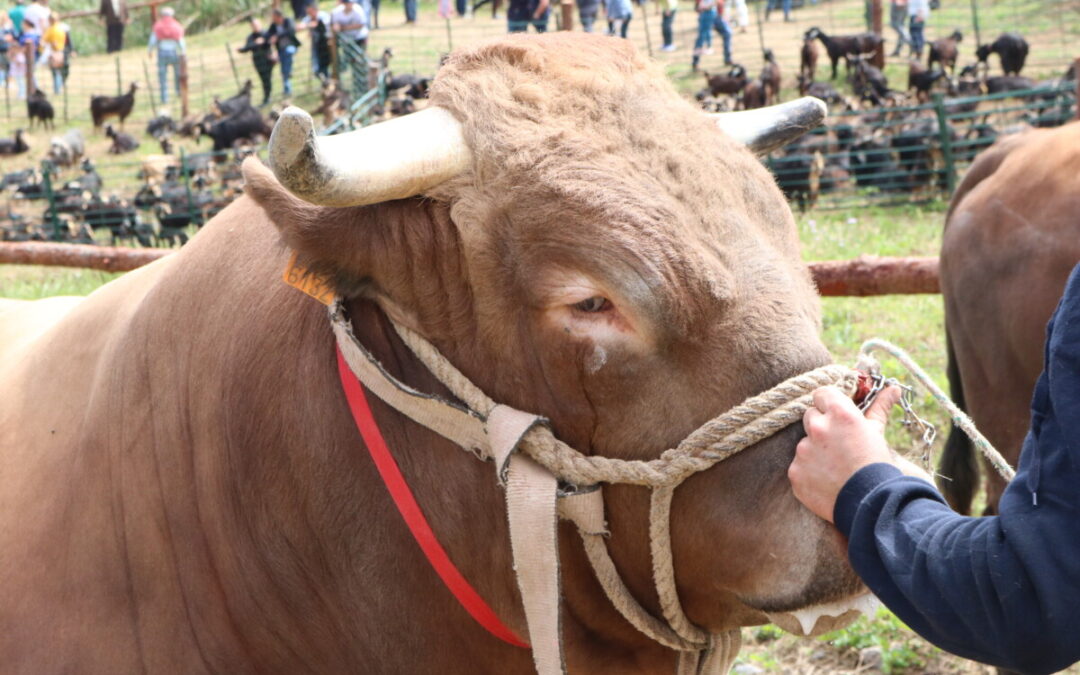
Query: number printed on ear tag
[301,278]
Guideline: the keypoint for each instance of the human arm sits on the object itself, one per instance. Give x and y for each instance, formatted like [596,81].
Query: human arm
[153,42]
[541,7]
[1002,590]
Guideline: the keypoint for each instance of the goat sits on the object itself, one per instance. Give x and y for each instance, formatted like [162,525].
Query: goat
[921,80]
[234,104]
[808,57]
[13,146]
[161,126]
[104,107]
[402,106]
[754,94]
[121,142]
[37,106]
[846,46]
[335,101]
[66,150]
[945,51]
[243,125]
[868,82]
[1003,83]
[823,90]
[1011,48]
[770,78]
[731,83]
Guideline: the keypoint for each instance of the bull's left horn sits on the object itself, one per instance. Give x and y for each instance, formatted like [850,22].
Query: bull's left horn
[393,160]
[769,128]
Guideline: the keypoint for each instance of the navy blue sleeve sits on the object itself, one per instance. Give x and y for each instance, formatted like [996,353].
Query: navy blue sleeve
[1003,590]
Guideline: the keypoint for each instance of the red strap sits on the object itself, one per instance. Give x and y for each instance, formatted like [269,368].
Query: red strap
[410,510]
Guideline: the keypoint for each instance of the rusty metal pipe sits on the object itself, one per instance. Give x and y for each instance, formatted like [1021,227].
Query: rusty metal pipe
[864,276]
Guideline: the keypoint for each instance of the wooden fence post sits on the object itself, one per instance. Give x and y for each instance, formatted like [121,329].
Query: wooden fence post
[119,84]
[183,86]
[567,9]
[875,17]
[150,89]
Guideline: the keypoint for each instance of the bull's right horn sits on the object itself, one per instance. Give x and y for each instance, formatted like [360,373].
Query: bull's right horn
[400,158]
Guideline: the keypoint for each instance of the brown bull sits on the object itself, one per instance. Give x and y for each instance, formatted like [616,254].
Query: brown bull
[1011,238]
[183,489]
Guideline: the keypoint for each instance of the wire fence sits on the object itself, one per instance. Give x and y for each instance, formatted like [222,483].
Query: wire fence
[898,154]
[907,154]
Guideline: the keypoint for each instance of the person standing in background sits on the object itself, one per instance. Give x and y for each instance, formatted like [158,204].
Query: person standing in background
[7,40]
[16,15]
[282,35]
[350,21]
[587,11]
[261,57]
[114,14]
[317,24]
[299,8]
[410,10]
[722,27]
[773,4]
[167,35]
[898,22]
[666,23]
[918,14]
[706,10]
[521,13]
[56,49]
[741,15]
[619,13]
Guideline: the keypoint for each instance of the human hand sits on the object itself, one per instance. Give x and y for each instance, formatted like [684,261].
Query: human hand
[839,441]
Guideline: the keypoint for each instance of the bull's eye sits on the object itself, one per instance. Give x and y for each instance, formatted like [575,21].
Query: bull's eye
[593,304]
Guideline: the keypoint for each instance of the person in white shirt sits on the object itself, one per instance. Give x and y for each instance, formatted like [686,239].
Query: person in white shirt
[918,12]
[348,20]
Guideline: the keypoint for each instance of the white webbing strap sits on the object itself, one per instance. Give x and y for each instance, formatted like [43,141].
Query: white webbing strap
[531,496]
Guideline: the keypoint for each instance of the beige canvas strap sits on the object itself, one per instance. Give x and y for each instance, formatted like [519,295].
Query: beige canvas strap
[531,496]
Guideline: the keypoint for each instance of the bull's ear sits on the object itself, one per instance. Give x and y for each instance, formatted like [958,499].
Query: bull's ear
[358,245]
[767,129]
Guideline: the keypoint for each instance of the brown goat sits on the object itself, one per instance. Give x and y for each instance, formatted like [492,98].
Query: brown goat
[945,51]
[770,78]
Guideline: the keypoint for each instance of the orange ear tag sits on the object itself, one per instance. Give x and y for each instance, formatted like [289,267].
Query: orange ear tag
[303,279]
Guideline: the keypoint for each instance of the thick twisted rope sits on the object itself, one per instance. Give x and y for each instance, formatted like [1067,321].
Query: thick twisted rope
[744,425]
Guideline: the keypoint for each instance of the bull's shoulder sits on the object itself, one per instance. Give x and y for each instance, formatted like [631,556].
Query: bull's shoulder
[21,321]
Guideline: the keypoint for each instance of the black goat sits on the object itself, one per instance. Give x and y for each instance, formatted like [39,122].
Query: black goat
[868,82]
[921,80]
[846,46]
[945,51]
[104,107]
[1003,83]
[1011,48]
[246,124]
[121,142]
[234,104]
[13,146]
[823,90]
[38,107]
[161,126]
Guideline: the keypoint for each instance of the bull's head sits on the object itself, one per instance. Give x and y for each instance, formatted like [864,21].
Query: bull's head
[594,249]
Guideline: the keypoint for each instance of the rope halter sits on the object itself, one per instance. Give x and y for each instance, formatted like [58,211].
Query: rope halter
[545,479]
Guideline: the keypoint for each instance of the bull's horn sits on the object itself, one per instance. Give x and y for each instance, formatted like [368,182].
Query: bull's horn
[769,128]
[393,160]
